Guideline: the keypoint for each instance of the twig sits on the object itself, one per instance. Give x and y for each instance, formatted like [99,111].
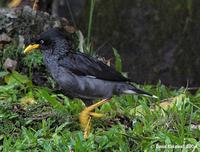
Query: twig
[36,5]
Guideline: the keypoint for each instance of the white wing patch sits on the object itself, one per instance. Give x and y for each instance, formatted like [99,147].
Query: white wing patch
[129,92]
[90,76]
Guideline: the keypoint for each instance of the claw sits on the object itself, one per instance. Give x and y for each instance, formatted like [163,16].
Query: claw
[86,116]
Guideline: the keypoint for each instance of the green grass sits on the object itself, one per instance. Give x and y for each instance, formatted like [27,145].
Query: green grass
[132,123]
[85,44]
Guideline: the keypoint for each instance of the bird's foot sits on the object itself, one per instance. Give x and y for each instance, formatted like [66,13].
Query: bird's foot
[87,114]
[96,115]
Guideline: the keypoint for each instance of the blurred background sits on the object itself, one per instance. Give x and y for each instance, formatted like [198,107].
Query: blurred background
[158,40]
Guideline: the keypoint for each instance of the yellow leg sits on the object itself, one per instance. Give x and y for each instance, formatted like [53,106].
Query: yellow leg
[86,116]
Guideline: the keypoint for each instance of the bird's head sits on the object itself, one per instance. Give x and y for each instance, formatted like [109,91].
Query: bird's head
[48,40]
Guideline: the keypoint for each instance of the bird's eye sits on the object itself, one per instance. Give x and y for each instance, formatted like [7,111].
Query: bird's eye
[41,41]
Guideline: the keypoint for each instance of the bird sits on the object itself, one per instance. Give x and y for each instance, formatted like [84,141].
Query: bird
[80,75]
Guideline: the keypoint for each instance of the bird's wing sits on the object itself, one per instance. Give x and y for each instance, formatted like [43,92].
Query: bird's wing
[84,65]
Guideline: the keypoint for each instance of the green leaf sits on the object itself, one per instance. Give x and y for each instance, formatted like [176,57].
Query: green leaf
[20,78]
[17,78]
[81,41]
[4,73]
[52,100]
[60,128]
[7,144]
[118,62]
[7,87]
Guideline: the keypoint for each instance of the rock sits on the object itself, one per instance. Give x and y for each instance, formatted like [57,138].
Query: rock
[10,65]
[4,38]
[27,22]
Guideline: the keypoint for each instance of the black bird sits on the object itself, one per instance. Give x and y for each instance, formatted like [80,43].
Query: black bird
[79,75]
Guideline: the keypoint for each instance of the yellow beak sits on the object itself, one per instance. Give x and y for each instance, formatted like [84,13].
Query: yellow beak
[14,3]
[30,47]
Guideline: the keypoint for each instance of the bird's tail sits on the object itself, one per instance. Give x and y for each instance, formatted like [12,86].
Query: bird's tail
[134,90]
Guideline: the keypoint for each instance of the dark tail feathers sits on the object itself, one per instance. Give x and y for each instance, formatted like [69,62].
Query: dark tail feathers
[135,90]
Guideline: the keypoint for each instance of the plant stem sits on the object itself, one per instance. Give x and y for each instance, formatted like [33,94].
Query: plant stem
[92,4]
